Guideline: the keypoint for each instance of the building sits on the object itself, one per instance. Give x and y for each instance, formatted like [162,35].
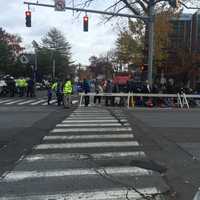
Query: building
[184,49]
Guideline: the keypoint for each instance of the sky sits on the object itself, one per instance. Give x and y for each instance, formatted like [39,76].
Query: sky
[100,38]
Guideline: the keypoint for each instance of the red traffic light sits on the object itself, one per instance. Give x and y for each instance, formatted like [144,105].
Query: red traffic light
[85,18]
[85,23]
[28,13]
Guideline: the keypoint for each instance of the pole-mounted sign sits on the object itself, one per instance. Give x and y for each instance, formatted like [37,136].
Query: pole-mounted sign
[24,59]
[60,5]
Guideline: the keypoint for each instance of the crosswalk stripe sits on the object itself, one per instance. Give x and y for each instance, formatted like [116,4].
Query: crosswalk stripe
[115,194]
[12,102]
[86,145]
[91,125]
[3,101]
[63,130]
[22,175]
[90,114]
[89,118]
[51,102]
[38,102]
[25,102]
[65,157]
[93,120]
[75,101]
[99,136]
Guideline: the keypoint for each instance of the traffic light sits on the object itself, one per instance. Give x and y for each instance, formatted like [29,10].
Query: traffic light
[85,23]
[143,67]
[28,18]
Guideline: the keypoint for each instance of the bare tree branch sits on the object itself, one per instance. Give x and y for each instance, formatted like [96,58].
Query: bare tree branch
[114,5]
[109,18]
[130,7]
[145,8]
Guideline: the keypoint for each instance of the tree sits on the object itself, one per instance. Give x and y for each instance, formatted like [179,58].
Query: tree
[10,48]
[139,8]
[129,43]
[55,47]
[101,66]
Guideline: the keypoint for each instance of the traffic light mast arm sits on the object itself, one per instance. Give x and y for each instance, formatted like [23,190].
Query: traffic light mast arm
[90,11]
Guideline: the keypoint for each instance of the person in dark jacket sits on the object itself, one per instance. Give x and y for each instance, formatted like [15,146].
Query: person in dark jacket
[30,88]
[109,89]
[59,94]
[11,86]
[86,89]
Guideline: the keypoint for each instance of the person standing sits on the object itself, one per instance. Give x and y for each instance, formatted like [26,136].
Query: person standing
[11,86]
[86,89]
[109,89]
[49,94]
[21,87]
[98,89]
[30,88]
[59,95]
[67,92]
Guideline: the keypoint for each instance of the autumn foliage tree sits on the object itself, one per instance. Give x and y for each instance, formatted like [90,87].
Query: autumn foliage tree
[10,48]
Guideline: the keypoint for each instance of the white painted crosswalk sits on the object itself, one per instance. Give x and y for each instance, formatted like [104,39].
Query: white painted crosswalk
[84,159]
[28,101]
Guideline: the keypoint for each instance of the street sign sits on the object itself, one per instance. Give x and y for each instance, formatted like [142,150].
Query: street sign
[24,59]
[60,5]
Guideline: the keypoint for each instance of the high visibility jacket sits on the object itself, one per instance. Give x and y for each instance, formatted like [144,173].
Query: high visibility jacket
[24,83]
[20,83]
[54,86]
[67,89]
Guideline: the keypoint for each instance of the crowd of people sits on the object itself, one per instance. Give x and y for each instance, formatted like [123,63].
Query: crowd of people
[62,90]
[108,86]
[18,87]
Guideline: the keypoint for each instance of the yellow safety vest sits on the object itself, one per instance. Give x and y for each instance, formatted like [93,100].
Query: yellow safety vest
[54,86]
[67,89]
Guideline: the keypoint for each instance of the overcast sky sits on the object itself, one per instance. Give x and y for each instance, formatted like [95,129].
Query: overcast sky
[98,40]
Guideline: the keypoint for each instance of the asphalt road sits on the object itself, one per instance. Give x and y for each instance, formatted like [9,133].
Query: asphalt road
[21,127]
[47,152]
[172,138]
[90,153]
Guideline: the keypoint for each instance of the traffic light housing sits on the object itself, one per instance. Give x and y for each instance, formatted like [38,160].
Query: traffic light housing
[85,23]
[28,18]
[143,67]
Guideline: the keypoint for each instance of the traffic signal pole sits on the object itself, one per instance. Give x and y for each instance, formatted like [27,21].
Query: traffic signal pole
[149,19]
[90,11]
[151,41]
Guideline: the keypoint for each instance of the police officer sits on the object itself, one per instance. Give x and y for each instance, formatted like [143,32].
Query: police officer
[30,88]
[21,87]
[67,92]
[59,95]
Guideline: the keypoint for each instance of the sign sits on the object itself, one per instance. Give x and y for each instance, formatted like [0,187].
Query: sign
[24,59]
[59,5]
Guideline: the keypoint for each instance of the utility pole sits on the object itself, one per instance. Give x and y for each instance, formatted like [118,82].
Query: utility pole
[54,69]
[35,46]
[151,41]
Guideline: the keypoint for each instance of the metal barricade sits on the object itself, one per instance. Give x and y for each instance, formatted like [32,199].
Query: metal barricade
[181,98]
